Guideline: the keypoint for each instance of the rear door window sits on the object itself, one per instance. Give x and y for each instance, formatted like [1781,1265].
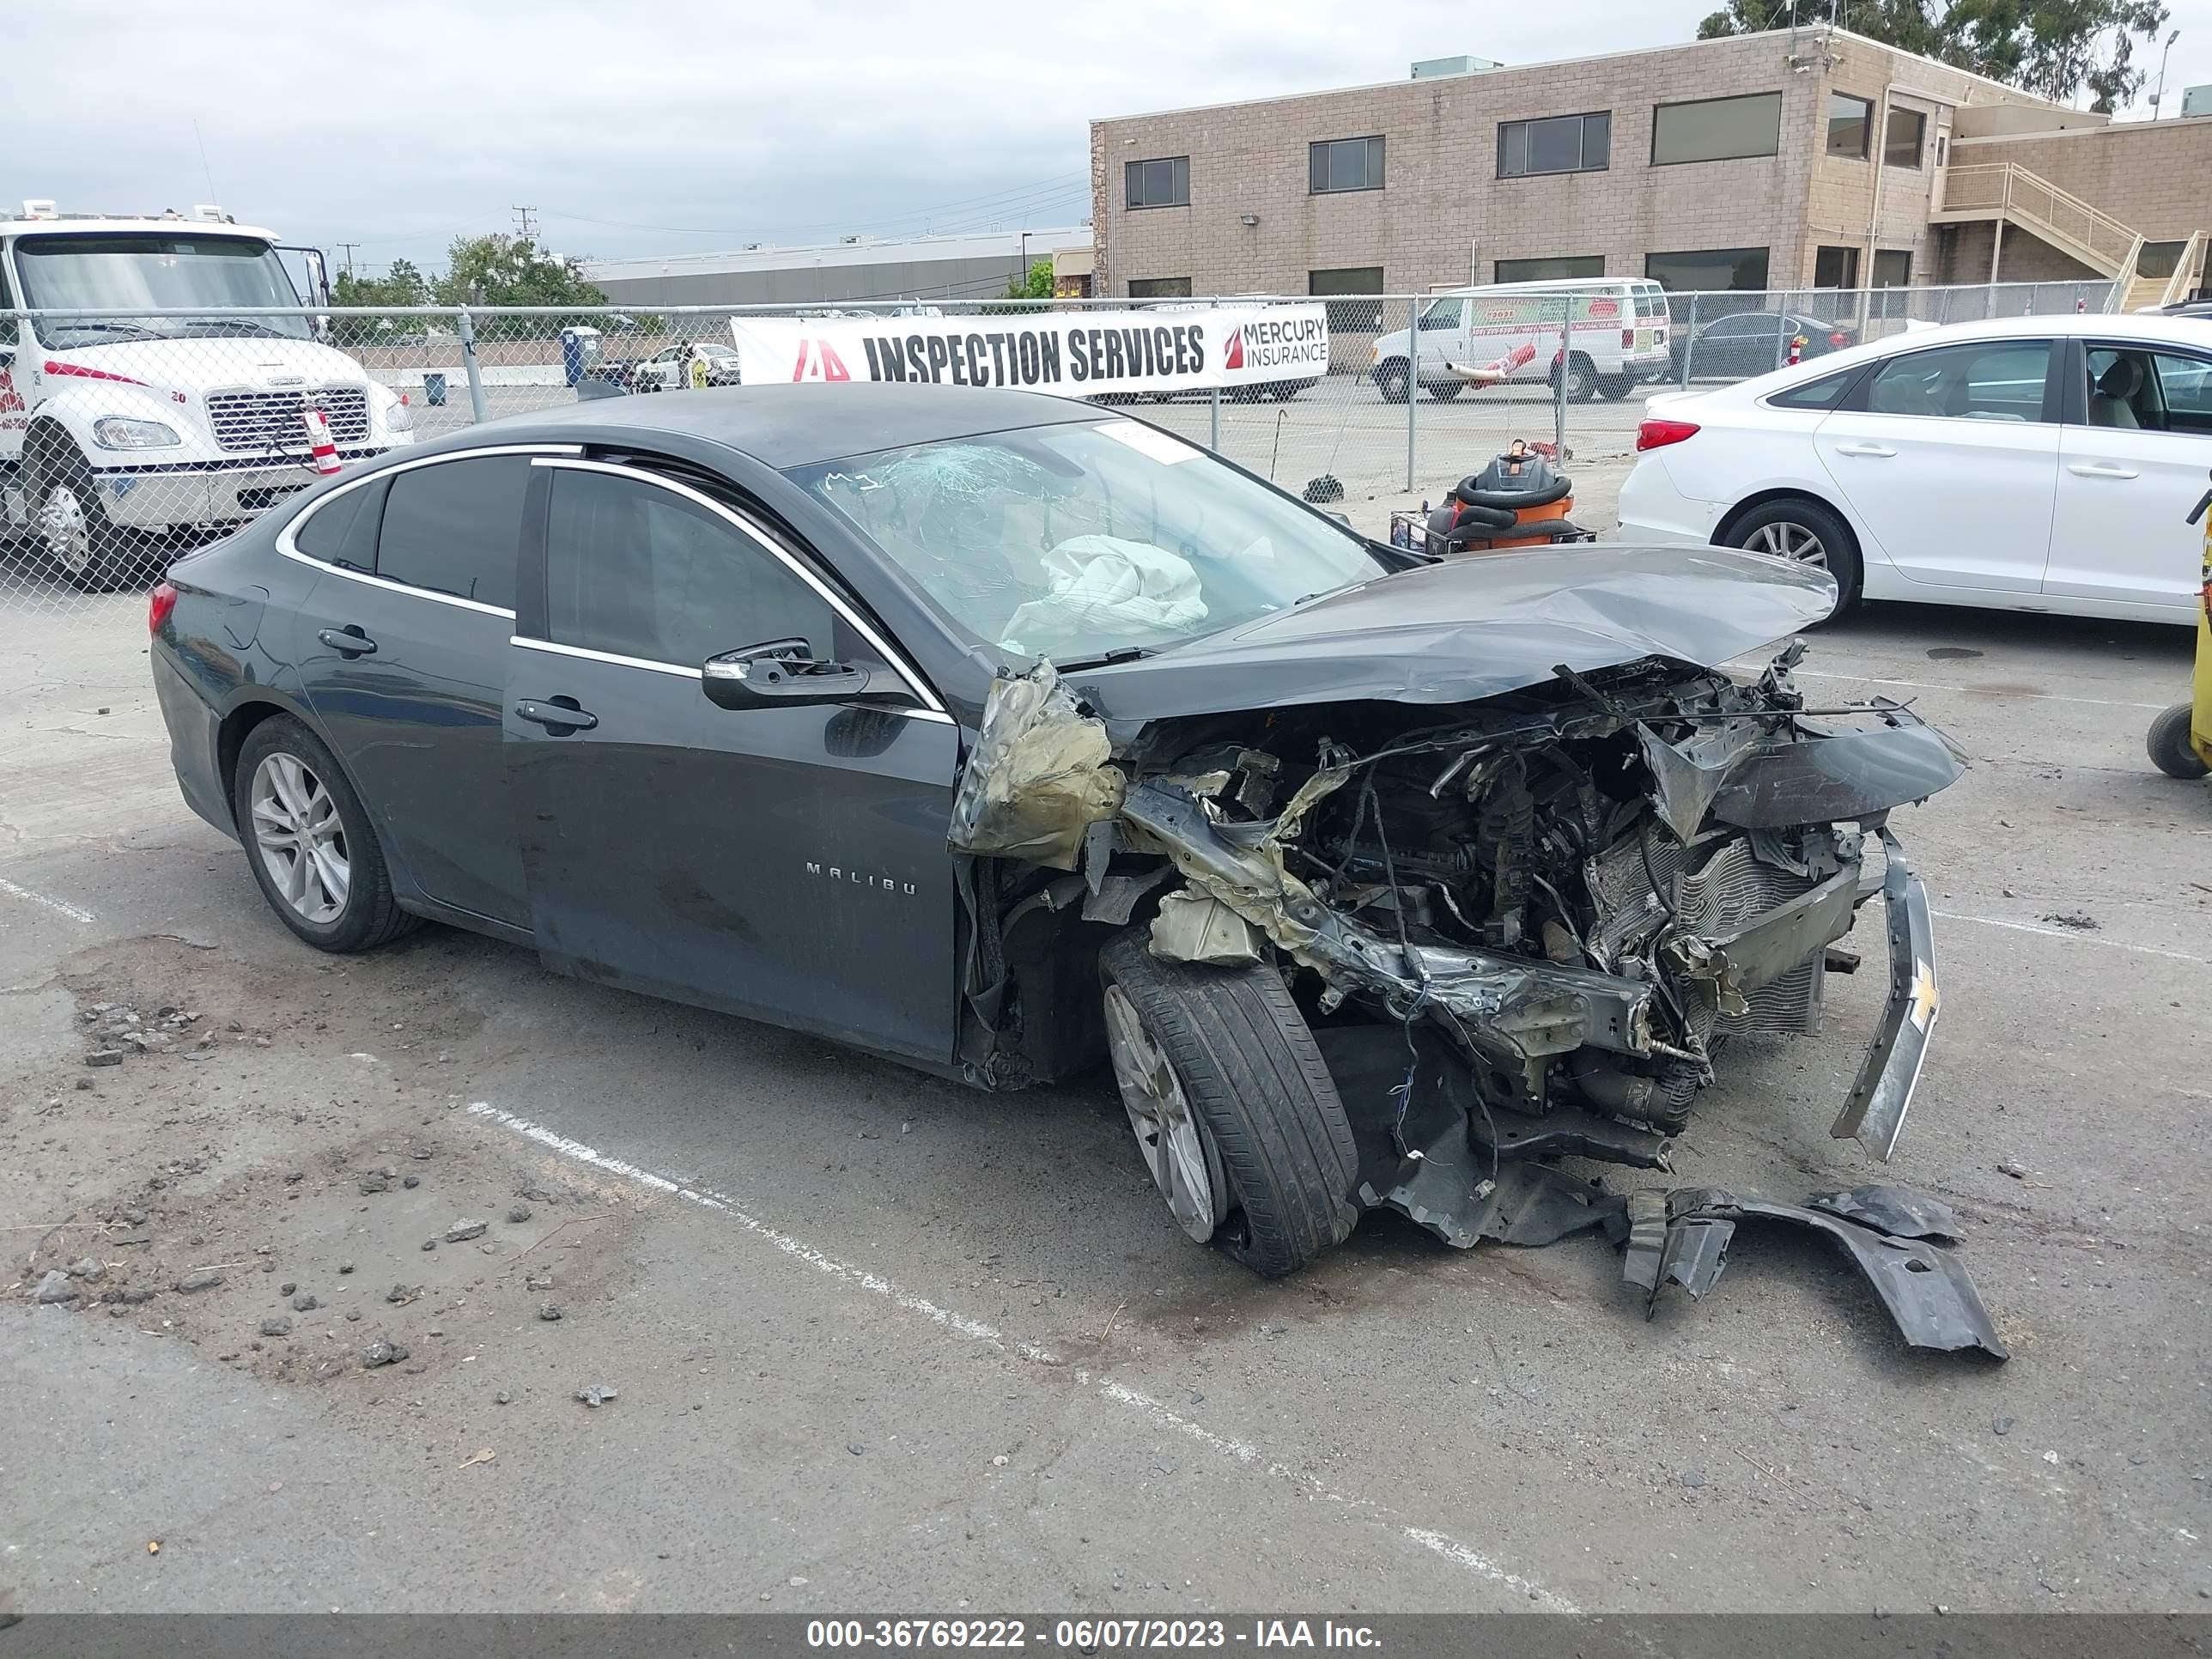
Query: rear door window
[1987,381]
[1823,393]
[454,528]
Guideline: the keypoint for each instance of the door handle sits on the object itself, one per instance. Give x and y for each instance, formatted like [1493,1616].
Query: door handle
[2099,470]
[1879,450]
[558,715]
[348,643]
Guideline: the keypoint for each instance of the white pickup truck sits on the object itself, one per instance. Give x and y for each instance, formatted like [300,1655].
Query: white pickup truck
[119,431]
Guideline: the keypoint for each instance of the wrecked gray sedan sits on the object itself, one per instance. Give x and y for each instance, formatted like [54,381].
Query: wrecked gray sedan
[1001,736]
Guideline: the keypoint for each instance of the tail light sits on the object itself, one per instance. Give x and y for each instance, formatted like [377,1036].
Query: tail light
[1839,338]
[1627,339]
[1657,433]
[159,604]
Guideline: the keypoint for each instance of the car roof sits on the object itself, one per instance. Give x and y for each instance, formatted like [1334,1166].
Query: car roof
[148,227]
[788,426]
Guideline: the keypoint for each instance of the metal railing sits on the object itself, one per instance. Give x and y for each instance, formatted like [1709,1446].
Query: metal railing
[119,459]
[2006,189]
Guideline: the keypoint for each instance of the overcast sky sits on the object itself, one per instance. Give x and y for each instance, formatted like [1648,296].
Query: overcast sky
[686,126]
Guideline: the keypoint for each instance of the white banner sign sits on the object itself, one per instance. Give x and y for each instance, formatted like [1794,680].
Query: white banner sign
[1076,353]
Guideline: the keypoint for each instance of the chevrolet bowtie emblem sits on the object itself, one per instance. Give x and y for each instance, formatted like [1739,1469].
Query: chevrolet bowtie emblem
[1924,999]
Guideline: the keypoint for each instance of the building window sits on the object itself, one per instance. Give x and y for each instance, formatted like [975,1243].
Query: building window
[1561,143]
[1849,120]
[1549,270]
[1706,270]
[1344,164]
[1163,183]
[1350,316]
[1900,148]
[1717,129]
[1836,267]
[1159,287]
[1892,267]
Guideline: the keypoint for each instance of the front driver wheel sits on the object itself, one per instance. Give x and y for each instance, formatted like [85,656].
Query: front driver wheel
[92,552]
[1804,532]
[1233,1111]
[2169,745]
[309,842]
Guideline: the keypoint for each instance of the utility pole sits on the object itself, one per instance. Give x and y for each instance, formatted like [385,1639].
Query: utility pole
[524,229]
[348,266]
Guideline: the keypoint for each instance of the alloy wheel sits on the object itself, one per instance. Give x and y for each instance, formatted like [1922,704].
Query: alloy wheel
[300,838]
[1785,540]
[1183,1165]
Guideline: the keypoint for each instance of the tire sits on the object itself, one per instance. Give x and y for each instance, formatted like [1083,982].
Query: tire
[2169,747]
[1284,391]
[1582,379]
[92,553]
[1444,391]
[1392,381]
[1776,528]
[368,915]
[1275,1138]
[1613,388]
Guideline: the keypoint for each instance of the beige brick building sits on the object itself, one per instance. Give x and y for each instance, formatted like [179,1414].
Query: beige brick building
[1782,160]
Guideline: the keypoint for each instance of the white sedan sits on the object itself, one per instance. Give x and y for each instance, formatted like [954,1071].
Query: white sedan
[2025,464]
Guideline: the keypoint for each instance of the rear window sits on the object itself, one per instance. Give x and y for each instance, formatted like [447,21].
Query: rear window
[1823,393]
[1651,300]
[456,527]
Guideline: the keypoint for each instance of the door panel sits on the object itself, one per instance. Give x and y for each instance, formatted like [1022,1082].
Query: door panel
[787,863]
[416,723]
[1950,466]
[2124,491]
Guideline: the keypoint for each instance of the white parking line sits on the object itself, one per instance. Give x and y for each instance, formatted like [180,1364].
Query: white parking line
[2072,937]
[1119,1393]
[1977,691]
[26,894]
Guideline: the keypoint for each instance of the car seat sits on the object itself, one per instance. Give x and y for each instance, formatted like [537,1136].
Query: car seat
[2111,401]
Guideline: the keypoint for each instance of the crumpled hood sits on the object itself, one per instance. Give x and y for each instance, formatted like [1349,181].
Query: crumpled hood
[1474,627]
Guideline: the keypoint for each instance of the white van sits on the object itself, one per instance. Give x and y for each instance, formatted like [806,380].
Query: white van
[1617,338]
[118,430]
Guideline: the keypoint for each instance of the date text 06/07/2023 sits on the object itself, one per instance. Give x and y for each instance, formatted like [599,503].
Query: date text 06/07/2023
[1085,1635]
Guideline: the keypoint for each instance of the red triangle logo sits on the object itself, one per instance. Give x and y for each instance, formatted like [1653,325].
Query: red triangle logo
[1233,358]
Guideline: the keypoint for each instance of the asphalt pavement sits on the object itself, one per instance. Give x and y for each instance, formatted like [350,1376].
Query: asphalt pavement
[880,1343]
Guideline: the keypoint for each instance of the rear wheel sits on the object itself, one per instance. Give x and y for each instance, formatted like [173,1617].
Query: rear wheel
[1392,381]
[309,842]
[2169,747]
[1803,532]
[92,554]
[1233,1111]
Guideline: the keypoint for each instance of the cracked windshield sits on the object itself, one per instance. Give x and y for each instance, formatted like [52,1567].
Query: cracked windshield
[1074,542]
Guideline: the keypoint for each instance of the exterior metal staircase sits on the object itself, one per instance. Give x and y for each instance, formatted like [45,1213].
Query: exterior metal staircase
[2007,193]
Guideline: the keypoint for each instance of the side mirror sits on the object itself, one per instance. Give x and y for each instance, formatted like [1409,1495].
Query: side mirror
[784,674]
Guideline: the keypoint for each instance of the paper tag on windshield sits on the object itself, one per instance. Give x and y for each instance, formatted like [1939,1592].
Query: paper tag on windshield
[1161,447]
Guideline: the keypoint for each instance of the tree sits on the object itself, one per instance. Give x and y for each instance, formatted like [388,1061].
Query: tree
[1035,283]
[402,285]
[511,270]
[2056,48]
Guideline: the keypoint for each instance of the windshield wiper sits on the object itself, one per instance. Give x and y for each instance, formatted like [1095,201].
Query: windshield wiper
[136,329]
[1105,659]
[256,327]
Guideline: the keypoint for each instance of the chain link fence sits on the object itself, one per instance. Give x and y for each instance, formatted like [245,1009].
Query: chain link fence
[127,438]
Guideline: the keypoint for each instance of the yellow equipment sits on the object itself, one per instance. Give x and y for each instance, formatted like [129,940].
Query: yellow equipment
[2181,738]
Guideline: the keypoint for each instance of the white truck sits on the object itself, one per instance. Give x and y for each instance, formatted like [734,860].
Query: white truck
[118,431]
[1618,336]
